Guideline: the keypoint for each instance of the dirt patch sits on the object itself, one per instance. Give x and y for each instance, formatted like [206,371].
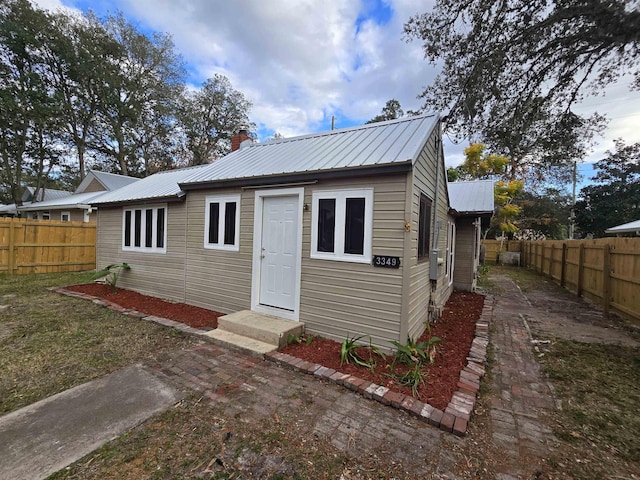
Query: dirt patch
[561,314]
[180,312]
[455,329]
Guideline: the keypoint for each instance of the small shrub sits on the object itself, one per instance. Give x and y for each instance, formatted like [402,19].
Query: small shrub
[349,353]
[411,378]
[412,353]
[111,272]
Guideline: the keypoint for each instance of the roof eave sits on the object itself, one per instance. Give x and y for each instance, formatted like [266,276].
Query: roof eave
[142,201]
[349,172]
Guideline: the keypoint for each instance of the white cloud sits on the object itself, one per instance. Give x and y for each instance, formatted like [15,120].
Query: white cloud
[300,62]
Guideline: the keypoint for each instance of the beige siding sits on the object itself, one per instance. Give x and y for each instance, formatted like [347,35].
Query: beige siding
[421,293]
[94,186]
[343,298]
[464,275]
[218,279]
[161,275]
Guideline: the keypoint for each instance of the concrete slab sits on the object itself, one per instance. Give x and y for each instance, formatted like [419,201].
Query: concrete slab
[241,343]
[265,328]
[44,437]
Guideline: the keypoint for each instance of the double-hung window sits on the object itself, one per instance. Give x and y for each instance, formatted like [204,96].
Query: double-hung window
[342,225]
[222,222]
[424,231]
[144,229]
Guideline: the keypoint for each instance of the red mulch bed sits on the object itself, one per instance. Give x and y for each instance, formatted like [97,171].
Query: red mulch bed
[180,312]
[456,329]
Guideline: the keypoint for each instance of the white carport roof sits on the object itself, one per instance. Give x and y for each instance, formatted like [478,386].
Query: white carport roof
[630,227]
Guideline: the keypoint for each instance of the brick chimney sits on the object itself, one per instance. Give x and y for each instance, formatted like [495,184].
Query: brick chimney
[238,138]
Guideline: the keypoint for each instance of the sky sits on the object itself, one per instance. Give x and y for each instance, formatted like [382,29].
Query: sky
[302,62]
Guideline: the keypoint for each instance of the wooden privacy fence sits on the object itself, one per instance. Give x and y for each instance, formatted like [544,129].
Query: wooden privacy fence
[492,247]
[606,270]
[44,246]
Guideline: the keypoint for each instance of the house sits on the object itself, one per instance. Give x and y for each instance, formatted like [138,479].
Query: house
[76,207]
[472,203]
[343,230]
[631,227]
[29,196]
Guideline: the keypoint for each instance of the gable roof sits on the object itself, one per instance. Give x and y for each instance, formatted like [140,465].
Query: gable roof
[395,142]
[391,144]
[625,228]
[43,194]
[475,197]
[161,186]
[110,181]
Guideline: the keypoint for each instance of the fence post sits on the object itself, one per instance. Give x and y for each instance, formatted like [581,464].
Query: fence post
[580,268]
[606,278]
[563,265]
[11,249]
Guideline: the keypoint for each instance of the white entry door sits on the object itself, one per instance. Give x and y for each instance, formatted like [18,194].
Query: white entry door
[279,252]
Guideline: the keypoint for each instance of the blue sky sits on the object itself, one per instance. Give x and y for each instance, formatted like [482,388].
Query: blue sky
[302,62]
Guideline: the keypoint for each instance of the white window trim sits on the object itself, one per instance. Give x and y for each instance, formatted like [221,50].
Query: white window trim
[222,200]
[45,215]
[154,229]
[62,214]
[340,197]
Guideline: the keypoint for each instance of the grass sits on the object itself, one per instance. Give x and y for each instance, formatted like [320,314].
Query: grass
[599,386]
[49,343]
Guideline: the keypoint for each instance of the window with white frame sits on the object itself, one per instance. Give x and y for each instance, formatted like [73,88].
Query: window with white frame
[451,249]
[342,225]
[144,229]
[65,216]
[222,222]
[45,216]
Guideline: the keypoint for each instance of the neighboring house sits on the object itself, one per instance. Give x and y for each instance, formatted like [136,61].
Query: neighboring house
[472,203]
[76,207]
[342,230]
[631,227]
[28,198]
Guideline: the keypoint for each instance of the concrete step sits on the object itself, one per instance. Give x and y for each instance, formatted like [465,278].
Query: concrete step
[264,328]
[240,342]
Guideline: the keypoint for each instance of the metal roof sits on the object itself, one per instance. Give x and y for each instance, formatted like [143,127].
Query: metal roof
[625,228]
[471,197]
[77,200]
[110,181]
[161,185]
[384,143]
[394,142]
[44,193]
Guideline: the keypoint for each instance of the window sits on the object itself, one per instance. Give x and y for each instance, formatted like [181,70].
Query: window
[451,250]
[342,225]
[45,216]
[424,230]
[143,229]
[222,222]
[65,216]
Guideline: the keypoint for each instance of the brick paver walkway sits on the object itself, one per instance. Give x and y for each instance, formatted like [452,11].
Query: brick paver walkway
[521,397]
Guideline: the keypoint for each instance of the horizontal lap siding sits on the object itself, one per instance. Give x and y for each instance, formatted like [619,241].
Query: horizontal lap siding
[218,279]
[342,298]
[424,174]
[157,274]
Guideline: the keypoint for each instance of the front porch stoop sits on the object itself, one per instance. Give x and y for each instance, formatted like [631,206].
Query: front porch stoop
[253,332]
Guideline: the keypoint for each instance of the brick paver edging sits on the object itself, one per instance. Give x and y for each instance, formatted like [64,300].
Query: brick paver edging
[128,311]
[455,417]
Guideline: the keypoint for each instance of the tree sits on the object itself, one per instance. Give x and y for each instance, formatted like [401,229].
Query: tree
[29,109]
[615,198]
[513,69]
[211,116]
[390,111]
[544,215]
[480,165]
[137,97]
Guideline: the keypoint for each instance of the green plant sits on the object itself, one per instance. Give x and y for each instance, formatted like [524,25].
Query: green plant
[411,378]
[309,339]
[293,339]
[111,272]
[349,353]
[412,353]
